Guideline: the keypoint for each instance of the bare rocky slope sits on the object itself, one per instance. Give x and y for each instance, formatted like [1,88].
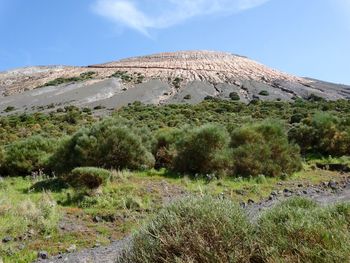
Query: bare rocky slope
[179,77]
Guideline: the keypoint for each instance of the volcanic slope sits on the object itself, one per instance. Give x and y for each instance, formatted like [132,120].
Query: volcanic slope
[178,77]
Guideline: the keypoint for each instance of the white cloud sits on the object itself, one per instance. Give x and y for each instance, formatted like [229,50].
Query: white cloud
[143,15]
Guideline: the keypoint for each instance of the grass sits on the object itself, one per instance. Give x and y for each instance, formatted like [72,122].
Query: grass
[194,230]
[216,230]
[126,201]
[24,216]
[330,160]
[299,230]
[122,205]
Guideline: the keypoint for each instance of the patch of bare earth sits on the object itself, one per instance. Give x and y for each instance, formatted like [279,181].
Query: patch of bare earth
[327,192]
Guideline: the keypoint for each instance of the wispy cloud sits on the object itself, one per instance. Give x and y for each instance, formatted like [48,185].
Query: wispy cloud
[143,15]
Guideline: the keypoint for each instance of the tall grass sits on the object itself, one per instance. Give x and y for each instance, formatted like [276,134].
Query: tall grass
[194,230]
[216,231]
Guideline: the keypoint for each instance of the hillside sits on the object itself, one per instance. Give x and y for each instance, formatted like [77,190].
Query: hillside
[179,77]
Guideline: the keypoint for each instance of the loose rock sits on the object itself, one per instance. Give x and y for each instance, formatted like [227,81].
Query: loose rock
[250,202]
[333,185]
[43,255]
[72,248]
[6,239]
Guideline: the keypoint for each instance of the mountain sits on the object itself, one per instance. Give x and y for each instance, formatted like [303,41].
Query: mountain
[178,77]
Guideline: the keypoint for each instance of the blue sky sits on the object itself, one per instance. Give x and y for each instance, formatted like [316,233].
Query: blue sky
[303,37]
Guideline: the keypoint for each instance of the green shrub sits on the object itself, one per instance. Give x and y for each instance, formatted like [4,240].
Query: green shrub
[88,177]
[194,230]
[297,117]
[83,76]
[264,93]
[234,96]
[165,148]
[177,82]
[263,149]
[98,107]
[300,231]
[59,81]
[9,109]
[28,155]
[2,160]
[111,144]
[87,75]
[315,98]
[323,134]
[203,150]
[187,97]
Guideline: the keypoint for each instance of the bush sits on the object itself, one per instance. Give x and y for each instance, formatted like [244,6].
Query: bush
[2,160]
[194,230]
[234,96]
[88,177]
[300,231]
[9,109]
[111,144]
[83,76]
[27,156]
[322,134]
[165,150]
[263,149]
[203,150]
[315,98]
[264,93]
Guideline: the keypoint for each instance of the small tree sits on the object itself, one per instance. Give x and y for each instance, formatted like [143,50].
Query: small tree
[203,150]
[2,160]
[234,96]
[27,156]
[263,149]
[322,134]
[165,148]
[108,144]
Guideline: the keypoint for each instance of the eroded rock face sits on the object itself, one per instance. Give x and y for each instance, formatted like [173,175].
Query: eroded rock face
[23,79]
[210,66]
[178,77]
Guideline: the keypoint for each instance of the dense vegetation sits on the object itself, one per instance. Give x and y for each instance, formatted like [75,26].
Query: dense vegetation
[214,230]
[300,230]
[194,230]
[111,143]
[219,138]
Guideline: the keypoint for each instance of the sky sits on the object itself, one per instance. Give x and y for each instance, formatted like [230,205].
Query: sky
[302,37]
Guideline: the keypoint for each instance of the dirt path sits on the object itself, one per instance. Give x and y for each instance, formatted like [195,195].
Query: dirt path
[106,254]
[326,193]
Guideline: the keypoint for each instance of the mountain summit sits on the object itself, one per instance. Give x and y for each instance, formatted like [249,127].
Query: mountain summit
[174,77]
[214,67]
